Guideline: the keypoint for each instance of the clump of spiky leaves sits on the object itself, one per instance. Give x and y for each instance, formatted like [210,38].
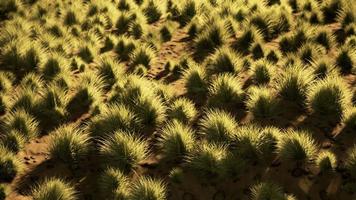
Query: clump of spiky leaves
[113,184]
[309,52]
[69,144]
[213,36]
[112,118]
[323,67]
[195,80]
[87,52]
[263,24]
[24,99]
[167,30]
[146,188]
[324,38]
[267,190]
[153,11]
[54,188]
[176,141]
[262,102]
[23,122]
[246,39]
[326,161]
[87,95]
[254,143]
[124,151]
[150,110]
[294,83]
[225,91]
[110,70]
[263,71]
[298,147]
[346,60]
[123,22]
[53,65]
[182,110]
[224,60]
[50,108]
[32,81]
[143,55]
[350,118]
[10,165]
[330,10]
[218,126]
[124,48]
[14,141]
[291,43]
[257,50]
[329,97]
[208,160]
[22,56]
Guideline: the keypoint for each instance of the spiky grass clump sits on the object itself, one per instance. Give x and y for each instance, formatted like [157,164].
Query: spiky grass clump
[298,147]
[10,165]
[346,60]
[69,144]
[87,95]
[196,80]
[124,48]
[246,39]
[308,52]
[291,43]
[263,72]
[153,11]
[110,70]
[182,110]
[112,118]
[263,24]
[218,126]
[22,122]
[330,10]
[262,102]
[53,65]
[254,143]
[267,190]
[123,22]
[350,118]
[323,67]
[146,188]
[176,141]
[50,108]
[32,81]
[213,36]
[294,83]
[224,60]
[225,91]
[113,184]
[14,141]
[208,160]
[143,55]
[325,38]
[123,151]
[54,188]
[326,161]
[87,52]
[329,97]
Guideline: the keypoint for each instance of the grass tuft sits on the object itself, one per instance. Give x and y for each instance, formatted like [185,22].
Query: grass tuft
[54,188]
[123,151]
